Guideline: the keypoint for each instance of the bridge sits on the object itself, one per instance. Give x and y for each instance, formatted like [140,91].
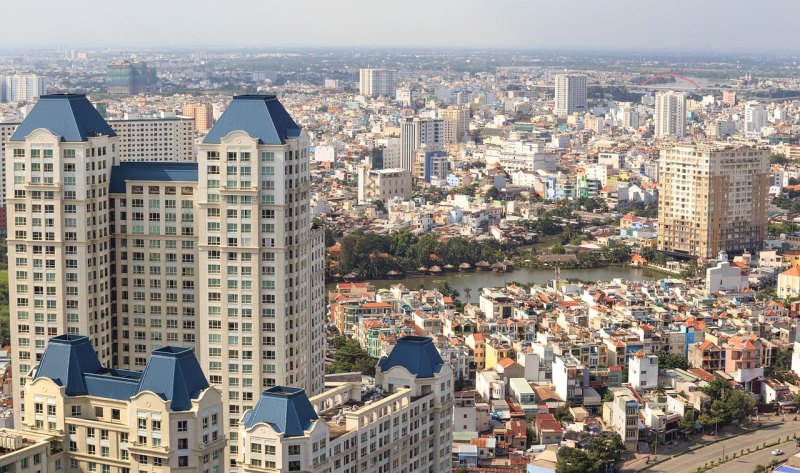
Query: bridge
[675,76]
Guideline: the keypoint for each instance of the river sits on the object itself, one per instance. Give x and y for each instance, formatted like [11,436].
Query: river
[476,280]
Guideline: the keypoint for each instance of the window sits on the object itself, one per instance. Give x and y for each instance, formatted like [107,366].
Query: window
[183,461]
[183,426]
[294,449]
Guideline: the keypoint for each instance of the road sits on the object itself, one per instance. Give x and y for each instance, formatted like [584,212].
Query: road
[691,460]
[747,463]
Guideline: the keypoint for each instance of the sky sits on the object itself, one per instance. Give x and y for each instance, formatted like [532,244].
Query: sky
[718,26]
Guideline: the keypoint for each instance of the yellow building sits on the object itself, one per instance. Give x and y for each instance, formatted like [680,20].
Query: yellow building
[789,282]
[477,343]
[494,353]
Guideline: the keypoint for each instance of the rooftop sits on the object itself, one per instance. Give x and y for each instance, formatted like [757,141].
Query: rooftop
[416,354]
[173,373]
[261,116]
[148,171]
[69,116]
[286,409]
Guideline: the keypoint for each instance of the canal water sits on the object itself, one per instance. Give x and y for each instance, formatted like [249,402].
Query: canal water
[477,280]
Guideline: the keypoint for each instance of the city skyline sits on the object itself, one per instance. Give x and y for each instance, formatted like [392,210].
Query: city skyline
[587,26]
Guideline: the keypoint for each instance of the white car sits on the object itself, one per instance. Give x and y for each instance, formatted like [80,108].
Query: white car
[777,452]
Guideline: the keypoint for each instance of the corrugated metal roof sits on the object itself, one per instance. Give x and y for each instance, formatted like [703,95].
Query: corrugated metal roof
[146,171]
[70,116]
[261,116]
[416,354]
[286,409]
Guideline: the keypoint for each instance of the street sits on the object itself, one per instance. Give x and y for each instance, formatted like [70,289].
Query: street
[747,463]
[691,460]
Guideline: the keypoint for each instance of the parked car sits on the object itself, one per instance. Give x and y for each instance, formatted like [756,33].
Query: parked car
[777,452]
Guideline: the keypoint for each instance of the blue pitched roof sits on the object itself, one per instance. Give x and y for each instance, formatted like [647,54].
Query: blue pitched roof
[70,116]
[287,410]
[416,354]
[65,361]
[172,373]
[146,171]
[261,116]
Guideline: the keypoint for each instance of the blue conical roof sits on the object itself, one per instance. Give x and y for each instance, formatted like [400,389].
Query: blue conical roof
[261,116]
[65,361]
[174,374]
[70,116]
[286,409]
[416,354]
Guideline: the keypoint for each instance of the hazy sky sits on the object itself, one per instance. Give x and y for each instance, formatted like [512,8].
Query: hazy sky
[725,26]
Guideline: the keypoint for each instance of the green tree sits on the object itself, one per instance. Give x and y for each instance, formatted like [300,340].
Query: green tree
[716,389]
[738,406]
[605,450]
[573,460]
[379,205]
[563,414]
[350,357]
[672,361]
[492,194]
[688,423]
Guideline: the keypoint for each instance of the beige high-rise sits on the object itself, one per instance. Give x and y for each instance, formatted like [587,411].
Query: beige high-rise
[59,164]
[203,114]
[712,198]
[261,262]
[456,124]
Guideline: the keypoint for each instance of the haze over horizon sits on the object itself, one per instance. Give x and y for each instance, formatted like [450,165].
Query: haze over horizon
[713,26]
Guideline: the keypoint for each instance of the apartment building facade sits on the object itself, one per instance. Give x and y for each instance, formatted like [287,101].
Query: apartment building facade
[117,252]
[712,198]
[166,418]
[402,424]
[162,139]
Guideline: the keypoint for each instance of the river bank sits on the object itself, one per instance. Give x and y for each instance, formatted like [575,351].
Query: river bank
[477,280]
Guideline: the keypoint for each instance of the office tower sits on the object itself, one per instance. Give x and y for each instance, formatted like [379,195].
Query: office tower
[670,114]
[129,78]
[630,117]
[113,421]
[383,184]
[154,274]
[712,198]
[755,118]
[392,153]
[570,94]
[203,114]
[261,261]
[59,162]
[408,144]
[22,87]
[416,133]
[456,121]
[377,82]
[430,165]
[169,138]
[402,424]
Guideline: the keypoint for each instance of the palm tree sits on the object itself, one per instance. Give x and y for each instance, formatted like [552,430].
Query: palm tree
[467,292]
